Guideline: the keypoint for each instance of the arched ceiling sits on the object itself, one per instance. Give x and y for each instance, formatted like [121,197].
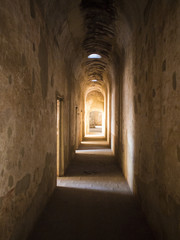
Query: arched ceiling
[99,21]
[83,27]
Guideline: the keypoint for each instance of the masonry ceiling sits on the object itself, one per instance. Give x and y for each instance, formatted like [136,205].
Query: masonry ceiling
[83,27]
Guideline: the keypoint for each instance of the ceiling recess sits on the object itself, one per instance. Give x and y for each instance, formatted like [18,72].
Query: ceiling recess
[99,20]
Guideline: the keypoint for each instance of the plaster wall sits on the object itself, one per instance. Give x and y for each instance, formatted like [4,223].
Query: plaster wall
[32,72]
[150,116]
[76,113]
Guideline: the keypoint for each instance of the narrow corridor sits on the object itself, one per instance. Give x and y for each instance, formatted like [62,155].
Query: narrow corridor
[89,119]
[93,201]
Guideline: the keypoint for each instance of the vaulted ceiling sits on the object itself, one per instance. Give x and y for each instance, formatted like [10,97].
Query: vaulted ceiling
[84,27]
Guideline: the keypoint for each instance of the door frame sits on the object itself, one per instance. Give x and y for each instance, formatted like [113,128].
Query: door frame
[60,135]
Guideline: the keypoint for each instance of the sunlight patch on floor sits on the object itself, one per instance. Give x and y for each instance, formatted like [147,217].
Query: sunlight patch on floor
[105,184]
[96,152]
[94,142]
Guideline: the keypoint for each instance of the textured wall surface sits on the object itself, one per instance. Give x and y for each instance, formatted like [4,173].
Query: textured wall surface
[31,72]
[151,113]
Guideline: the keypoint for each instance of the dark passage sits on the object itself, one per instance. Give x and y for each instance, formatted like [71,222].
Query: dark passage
[92,202]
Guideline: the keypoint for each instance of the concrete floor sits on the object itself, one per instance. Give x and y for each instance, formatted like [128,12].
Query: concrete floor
[93,202]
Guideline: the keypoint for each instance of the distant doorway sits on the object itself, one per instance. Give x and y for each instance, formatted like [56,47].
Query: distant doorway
[60,140]
[95,122]
[95,114]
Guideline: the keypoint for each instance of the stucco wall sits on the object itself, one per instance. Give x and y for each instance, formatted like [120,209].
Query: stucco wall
[150,116]
[32,71]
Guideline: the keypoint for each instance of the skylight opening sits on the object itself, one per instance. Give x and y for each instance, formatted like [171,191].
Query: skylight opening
[94,55]
[94,80]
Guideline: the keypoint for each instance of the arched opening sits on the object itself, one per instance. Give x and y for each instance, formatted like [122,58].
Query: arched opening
[95,122]
[95,117]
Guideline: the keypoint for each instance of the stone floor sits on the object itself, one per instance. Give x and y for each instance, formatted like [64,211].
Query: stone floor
[93,202]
